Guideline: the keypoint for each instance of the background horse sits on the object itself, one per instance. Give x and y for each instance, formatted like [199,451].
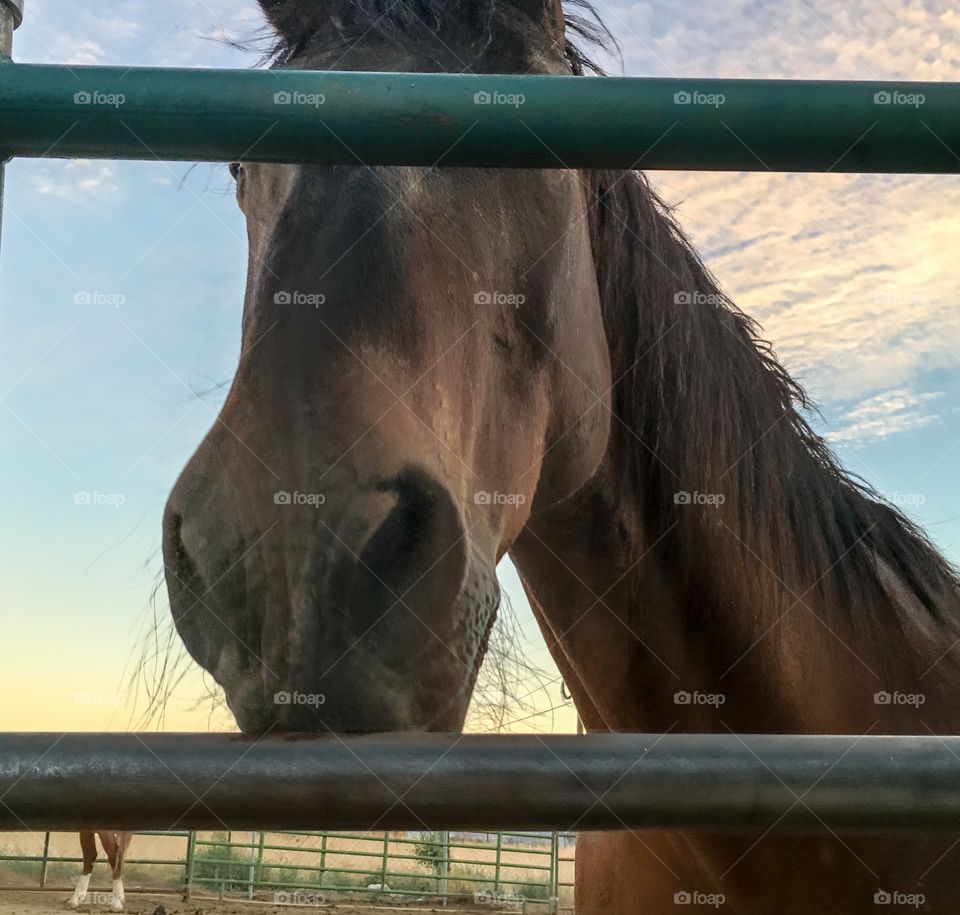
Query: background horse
[115,845]
[695,556]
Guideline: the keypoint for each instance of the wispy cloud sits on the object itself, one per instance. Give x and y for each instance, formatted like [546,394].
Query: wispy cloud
[78,180]
[846,273]
[886,414]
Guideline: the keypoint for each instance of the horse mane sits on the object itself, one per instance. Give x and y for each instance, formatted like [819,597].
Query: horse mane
[702,404]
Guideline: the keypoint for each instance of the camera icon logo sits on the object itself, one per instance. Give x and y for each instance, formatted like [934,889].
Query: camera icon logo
[682,698]
[882,897]
[682,498]
[282,98]
[482,98]
[282,298]
[682,98]
[682,898]
[683,298]
[482,498]
[282,498]
[482,298]
[282,698]
[882,98]
[882,698]
[82,98]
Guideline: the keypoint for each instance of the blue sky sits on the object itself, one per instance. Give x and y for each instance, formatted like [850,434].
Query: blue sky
[121,287]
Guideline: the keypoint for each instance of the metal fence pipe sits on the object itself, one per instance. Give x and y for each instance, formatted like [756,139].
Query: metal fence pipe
[477,783]
[488,120]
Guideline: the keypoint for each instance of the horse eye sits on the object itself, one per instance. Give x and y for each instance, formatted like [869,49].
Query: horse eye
[236,169]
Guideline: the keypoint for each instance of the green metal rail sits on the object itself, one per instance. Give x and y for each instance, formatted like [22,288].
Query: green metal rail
[467,120]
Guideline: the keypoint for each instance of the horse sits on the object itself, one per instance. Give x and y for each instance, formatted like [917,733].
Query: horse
[539,363]
[115,845]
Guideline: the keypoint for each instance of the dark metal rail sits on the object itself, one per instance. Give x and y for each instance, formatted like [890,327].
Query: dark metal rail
[419,781]
[467,120]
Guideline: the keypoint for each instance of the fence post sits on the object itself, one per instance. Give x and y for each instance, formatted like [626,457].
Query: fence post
[46,858]
[445,867]
[188,870]
[252,871]
[11,15]
[496,874]
[259,871]
[323,859]
[555,872]
[386,861]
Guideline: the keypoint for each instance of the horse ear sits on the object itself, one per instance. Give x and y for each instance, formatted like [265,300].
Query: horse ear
[283,14]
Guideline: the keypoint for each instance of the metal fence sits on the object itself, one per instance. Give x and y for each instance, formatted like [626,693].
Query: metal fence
[527,872]
[677,781]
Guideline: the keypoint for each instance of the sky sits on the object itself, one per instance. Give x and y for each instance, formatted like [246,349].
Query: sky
[121,286]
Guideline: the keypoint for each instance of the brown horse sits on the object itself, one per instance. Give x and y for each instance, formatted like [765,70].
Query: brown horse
[538,362]
[115,845]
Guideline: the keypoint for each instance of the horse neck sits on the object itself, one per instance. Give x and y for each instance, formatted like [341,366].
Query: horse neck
[720,552]
[638,622]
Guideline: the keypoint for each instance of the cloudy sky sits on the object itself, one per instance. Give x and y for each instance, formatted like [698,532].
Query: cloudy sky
[121,288]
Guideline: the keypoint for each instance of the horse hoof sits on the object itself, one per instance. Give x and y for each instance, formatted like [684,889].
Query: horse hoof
[74,902]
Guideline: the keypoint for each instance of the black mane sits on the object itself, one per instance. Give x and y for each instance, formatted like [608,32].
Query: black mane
[406,22]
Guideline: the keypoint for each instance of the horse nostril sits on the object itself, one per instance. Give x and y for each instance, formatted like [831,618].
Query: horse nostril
[419,544]
[186,588]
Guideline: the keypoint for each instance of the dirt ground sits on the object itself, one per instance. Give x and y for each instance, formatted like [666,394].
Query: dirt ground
[41,903]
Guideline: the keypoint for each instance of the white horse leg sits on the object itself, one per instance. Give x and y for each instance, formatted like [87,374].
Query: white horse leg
[80,893]
[117,902]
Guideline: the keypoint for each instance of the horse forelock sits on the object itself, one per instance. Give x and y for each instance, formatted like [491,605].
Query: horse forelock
[297,23]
